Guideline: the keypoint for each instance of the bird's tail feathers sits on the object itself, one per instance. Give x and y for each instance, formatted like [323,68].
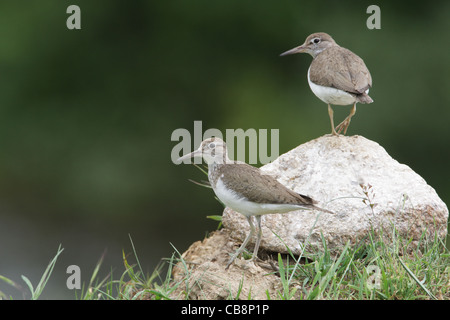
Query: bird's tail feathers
[310,202]
[321,209]
[364,98]
[307,200]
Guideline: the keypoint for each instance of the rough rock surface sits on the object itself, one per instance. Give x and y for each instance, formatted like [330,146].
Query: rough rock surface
[358,180]
[203,277]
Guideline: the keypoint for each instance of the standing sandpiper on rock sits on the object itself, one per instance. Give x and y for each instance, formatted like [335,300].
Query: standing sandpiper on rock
[336,75]
[246,189]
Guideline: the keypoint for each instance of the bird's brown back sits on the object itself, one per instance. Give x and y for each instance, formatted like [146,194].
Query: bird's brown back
[258,187]
[340,68]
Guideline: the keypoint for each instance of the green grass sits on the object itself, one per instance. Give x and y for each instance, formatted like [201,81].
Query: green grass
[35,292]
[133,283]
[372,270]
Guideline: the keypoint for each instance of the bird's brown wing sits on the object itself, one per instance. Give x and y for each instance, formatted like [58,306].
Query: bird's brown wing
[340,68]
[257,187]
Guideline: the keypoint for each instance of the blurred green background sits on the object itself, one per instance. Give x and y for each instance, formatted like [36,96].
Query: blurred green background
[86,116]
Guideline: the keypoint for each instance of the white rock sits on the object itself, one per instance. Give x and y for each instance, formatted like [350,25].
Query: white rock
[358,180]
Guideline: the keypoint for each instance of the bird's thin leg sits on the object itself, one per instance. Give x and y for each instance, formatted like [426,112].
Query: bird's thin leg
[258,238]
[330,113]
[244,244]
[344,124]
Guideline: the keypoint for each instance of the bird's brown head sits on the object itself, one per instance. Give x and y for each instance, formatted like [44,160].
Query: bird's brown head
[314,44]
[213,150]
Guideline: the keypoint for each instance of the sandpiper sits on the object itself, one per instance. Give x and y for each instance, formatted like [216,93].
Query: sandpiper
[246,189]
[336,76]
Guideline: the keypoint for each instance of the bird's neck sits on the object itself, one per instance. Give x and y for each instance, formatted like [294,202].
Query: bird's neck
[214,172]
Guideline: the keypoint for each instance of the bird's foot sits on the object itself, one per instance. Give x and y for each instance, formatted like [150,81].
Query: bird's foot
[253,259]
[233,257]
[230,262]
[343,126]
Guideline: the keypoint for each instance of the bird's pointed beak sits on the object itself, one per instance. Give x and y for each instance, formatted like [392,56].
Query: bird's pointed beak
[196,153]
[298,49]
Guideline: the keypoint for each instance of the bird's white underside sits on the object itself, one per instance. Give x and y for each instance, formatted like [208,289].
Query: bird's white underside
[240,204]
[331,95]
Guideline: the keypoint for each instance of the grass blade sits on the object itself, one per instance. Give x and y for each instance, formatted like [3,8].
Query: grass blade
[28,283]
[417,280]
[35,293]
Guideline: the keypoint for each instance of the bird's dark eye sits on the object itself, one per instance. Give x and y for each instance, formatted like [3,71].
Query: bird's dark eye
[315,40]
[212,145]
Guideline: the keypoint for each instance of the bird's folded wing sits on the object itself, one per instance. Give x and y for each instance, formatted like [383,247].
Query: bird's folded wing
[255,186]
[340,68]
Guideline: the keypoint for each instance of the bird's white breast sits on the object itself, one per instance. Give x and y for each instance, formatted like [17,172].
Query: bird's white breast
[331,95]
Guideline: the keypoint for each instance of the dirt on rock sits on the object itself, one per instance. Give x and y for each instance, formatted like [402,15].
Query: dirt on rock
[201,274]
